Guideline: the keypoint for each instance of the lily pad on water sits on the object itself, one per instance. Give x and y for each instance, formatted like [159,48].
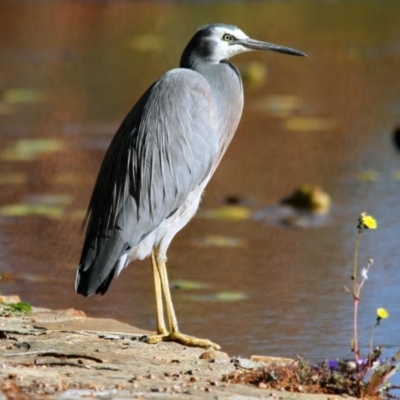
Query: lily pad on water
[222,296]
[280,105]
[23,96]
[26,210]
[227,213]
[188,285]
[219,241]
[30,149]
[308,124]
[47,205]
[368,176]
[49,199]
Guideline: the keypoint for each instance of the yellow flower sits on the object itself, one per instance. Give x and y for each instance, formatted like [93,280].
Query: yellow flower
[382,313]
[367,222]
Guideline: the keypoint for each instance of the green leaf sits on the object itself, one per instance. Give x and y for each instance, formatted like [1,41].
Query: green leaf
[188,285]
[30,149]
[223,296]
[228,213]
[219,241]
[14,308]
[23,96]
[26,210]
[309,124]
[21,307]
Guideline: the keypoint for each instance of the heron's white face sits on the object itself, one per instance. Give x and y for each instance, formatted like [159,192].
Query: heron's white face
[223,44]
[216,42]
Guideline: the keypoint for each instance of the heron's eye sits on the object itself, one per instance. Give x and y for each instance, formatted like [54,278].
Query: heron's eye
[227,37]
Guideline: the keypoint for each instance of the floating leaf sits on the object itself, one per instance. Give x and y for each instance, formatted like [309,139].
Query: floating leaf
[222,296]
[23,96]
[30,149]
[220,241]
[49,199]
[49,205]
[308,124]
[188,285]
[25,210]
[13,178]
[228,213]
[32,278]
[368,176]
[280,105]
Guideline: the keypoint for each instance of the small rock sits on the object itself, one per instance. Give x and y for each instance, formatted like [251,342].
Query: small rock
[214,355]
[246,363]
[176,389]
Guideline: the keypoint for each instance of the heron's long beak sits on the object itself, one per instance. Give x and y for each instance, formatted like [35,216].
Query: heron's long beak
[253,44]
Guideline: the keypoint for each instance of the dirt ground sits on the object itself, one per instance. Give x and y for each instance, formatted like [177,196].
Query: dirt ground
[66,355]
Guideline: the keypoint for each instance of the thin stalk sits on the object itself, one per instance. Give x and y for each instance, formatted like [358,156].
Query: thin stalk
[356,293]
[355,266]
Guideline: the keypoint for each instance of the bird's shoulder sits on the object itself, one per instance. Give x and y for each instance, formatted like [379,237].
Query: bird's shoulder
[183,83]
[185,76]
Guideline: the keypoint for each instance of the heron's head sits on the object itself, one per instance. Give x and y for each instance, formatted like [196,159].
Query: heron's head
[217,42]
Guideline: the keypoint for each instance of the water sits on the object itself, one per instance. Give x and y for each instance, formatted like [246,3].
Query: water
[71,71]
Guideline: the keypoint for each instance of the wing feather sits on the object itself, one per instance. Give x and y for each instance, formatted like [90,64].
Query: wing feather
[162,151]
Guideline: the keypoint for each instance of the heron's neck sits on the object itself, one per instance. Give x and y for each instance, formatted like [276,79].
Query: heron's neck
[226,84]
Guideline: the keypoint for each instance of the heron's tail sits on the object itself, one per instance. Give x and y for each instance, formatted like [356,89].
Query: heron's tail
[99,264]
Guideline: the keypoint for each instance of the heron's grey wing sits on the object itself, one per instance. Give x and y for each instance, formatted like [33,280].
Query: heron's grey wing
[162,151]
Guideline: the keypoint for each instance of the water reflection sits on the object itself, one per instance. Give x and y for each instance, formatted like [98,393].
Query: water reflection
[324,121]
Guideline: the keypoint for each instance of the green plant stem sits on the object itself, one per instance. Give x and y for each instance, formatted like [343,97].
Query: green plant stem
[356,293]
[355,267]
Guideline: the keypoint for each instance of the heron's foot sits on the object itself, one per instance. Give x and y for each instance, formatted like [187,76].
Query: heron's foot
[186,340]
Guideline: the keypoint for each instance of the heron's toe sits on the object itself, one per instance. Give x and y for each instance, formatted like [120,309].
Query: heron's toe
[193,341]
[186,340]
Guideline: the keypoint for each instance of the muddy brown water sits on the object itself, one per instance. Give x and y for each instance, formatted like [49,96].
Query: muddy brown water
[70,71]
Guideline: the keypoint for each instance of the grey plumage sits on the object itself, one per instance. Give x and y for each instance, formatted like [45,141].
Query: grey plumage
[154,161]
[161,158]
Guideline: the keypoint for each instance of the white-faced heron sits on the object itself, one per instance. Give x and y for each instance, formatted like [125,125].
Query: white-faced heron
[158,164]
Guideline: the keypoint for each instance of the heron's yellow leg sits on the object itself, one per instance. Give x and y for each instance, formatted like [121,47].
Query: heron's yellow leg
[161,328]
[174,334]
